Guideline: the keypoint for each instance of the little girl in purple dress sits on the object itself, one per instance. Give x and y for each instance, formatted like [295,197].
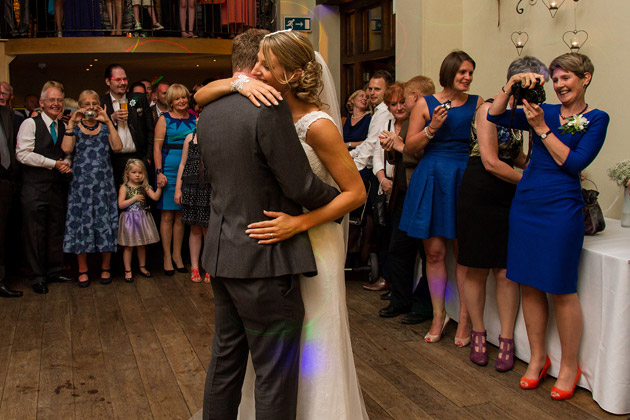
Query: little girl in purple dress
[136,227]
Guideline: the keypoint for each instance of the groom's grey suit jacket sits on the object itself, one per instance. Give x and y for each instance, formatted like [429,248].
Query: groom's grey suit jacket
[255,162]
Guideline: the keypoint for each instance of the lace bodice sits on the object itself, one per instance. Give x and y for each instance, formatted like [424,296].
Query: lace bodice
[301,126]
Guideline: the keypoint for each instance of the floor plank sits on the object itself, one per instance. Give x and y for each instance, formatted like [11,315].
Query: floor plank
[165,397]
[56,385]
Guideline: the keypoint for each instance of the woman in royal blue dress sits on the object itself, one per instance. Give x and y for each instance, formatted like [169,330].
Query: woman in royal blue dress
[546,221]
[430,206]
[170,132]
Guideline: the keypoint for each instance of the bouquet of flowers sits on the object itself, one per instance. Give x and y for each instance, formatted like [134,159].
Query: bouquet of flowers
[620,173]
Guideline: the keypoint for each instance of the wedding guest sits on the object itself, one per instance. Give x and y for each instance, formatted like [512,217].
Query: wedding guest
[187,18]
[170,132]
[131,117]
[403,250]
[429,213]
[355,128]
[546,219]
[8,177]
[92,215]
[44,192]
[485,196]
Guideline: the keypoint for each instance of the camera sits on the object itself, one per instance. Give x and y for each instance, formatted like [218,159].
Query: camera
[535,95]
[447,105]
[90,113]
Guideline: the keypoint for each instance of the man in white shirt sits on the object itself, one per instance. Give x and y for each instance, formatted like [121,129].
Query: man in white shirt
[132,119]
[369,159]
[44,190]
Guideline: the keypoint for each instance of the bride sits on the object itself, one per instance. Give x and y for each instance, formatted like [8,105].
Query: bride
[328,385]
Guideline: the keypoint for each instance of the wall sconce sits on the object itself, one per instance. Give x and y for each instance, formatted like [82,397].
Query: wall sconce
[519,39]
[575,39]
[553,6]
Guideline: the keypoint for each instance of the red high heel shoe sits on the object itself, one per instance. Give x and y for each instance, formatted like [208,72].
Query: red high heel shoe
[558,394]
[533,383]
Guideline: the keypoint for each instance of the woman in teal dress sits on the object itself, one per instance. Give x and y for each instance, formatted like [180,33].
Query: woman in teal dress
[546,221]
[170,131]
[430,205]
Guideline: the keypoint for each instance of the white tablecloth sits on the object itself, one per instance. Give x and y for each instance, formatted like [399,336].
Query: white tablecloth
[604,292]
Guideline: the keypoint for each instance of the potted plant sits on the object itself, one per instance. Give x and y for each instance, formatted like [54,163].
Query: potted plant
[620,173]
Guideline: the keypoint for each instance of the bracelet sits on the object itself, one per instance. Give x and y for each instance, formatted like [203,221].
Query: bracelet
[503,90]
[159,171]
[381,182]
[237,85]
[69,133]
[426,133]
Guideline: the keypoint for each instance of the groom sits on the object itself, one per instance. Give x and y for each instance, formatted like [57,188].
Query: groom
[255,162]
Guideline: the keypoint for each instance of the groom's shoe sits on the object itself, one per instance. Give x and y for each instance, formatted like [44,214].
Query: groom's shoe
[391,312]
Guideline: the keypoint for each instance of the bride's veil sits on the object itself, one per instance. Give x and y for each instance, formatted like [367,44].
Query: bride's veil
[328,95]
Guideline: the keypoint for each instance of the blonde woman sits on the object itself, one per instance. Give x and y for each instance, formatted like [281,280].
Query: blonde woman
[170,132]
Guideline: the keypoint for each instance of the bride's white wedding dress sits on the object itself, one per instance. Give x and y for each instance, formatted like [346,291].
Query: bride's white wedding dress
[328,386]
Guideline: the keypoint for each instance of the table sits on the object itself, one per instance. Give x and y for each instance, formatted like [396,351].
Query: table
[604,292]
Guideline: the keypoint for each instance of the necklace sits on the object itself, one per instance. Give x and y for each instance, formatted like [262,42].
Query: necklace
[358,117]
[579,113]
[90,127]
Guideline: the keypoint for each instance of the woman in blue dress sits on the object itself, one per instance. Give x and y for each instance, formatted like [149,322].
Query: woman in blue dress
[170,131]
[355,128]
[546,221]
[92,215]
[440,124]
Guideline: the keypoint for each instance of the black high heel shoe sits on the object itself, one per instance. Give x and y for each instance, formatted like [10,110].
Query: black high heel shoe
[180,269]
[85,283]
[106,280]
[142,273]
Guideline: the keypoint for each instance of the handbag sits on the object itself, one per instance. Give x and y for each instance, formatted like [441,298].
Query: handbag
[593,215]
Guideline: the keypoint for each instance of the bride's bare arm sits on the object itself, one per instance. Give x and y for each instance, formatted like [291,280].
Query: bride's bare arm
[254,89]
[326,141]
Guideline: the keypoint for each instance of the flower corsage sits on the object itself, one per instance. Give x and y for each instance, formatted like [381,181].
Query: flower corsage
[132,102]
[575,124]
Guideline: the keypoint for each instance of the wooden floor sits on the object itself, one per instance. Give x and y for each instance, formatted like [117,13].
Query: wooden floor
[139,351]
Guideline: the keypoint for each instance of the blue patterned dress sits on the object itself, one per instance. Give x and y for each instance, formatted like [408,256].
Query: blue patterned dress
[176,131]
[92,215]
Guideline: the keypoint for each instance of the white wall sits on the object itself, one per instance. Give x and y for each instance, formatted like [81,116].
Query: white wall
[444,25]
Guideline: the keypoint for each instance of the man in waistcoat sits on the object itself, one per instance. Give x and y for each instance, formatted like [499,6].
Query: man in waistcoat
[45,174]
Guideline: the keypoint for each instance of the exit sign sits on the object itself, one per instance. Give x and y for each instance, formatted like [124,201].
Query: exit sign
[297,23]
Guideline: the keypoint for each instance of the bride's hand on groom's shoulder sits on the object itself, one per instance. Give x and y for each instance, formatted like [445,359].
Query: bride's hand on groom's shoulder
[257,92]
[279,228]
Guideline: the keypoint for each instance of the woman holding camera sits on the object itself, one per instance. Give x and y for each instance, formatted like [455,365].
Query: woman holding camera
[485,196]
[92,215]
[546,220]
[440,124]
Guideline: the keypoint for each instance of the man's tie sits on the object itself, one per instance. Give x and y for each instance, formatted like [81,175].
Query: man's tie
[53,132]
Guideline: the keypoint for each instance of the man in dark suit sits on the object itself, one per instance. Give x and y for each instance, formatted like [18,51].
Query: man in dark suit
[255,162]
[134,125]
[8,169]
[44,190]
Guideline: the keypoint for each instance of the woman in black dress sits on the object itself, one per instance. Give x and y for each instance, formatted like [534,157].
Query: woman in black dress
[486,192]
[355,128]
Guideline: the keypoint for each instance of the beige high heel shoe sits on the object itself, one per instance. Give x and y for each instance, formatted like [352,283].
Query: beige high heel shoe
[434,338]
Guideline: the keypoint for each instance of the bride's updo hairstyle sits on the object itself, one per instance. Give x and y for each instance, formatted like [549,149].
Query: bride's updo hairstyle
[302,73]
